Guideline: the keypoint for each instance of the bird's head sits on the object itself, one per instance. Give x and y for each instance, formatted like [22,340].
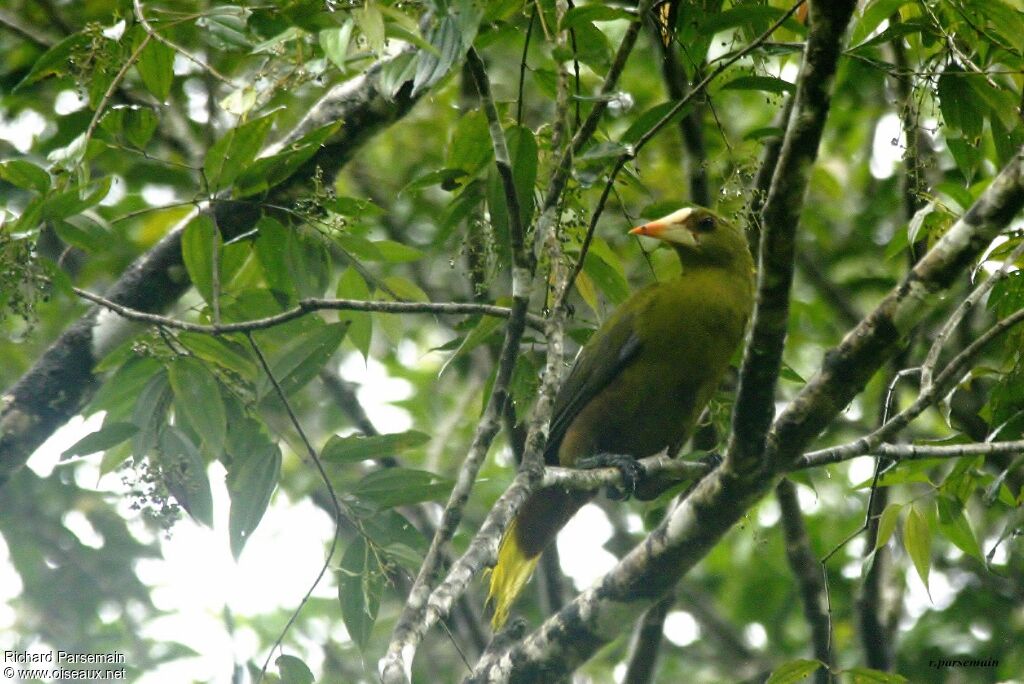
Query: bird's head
[700,237]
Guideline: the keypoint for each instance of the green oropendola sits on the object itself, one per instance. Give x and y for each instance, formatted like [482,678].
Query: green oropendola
[640,382]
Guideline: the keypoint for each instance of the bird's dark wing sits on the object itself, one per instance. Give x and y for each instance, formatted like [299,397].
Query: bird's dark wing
[612,348]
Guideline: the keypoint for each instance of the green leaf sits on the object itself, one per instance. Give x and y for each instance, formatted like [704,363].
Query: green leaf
[221,351]
[234,151]
[874,13]
[769,84]
[954,526]
[156,67]
[357,448]
[471,146]
[298,362]
[118,393]
[398,71]
[293,670]
[793,671]
[107,436]
[887,524]
[335,42]
[786,372]
[267,172]
[591,48]
[271,247]
[360,332]
[138,125]
[150,413]
[24,174]
[55,61]
[646,121]
[353,206]
[371,23]
[405,289]
[453,34]
[184,473]
[1004,20]
[307,263]
[197,399]
[594,12]
[487,326]
[360,585]
[522,148]
[966,154]
[73,201]
[864,675]
[606,276]
[397,252]
[390,528]
[392,487]
[959,105]
[251,480]
[197,253]
[917,540]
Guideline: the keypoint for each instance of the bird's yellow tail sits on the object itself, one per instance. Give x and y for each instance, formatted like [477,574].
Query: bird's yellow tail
[509,575]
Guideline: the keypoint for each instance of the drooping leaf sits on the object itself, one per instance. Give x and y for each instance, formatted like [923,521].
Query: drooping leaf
[184,473]
[357,448]
[293,670]
[156,67]
[954,526]
[360,585]
[392,487]
[887,524]
[197,399]
[234,150]
[106,437]
[25,174]
[197,248]
[251,480]
[793,671]
[917,540]
[360,332]
[298,362]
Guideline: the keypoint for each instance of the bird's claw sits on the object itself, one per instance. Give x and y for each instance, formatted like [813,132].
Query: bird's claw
[632,472]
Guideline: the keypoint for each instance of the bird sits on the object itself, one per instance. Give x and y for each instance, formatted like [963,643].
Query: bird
[640,382]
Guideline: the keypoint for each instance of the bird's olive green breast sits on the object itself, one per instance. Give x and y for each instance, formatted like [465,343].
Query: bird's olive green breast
[686,330]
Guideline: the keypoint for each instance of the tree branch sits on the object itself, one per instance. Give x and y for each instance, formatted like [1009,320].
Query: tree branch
[396,666]
[755,398]
[807,572]
[847,368]
[943,383]
[643,656]
[306,306]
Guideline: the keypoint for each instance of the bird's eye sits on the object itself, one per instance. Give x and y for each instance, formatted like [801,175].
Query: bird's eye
[706,224]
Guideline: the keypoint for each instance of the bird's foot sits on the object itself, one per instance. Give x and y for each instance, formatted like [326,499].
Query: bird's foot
[632,472]
[711,460]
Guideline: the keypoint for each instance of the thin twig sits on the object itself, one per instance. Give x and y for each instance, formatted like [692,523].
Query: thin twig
[335,502]
[522,66]
[306,306]
[114,85]
[870,442]
[151,32]
[928,367]
[809,577]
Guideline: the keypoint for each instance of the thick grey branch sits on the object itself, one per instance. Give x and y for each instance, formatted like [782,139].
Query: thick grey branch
[755,399]
[847,368]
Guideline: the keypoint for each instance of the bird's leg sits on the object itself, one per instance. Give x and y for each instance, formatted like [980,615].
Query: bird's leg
[632,472]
